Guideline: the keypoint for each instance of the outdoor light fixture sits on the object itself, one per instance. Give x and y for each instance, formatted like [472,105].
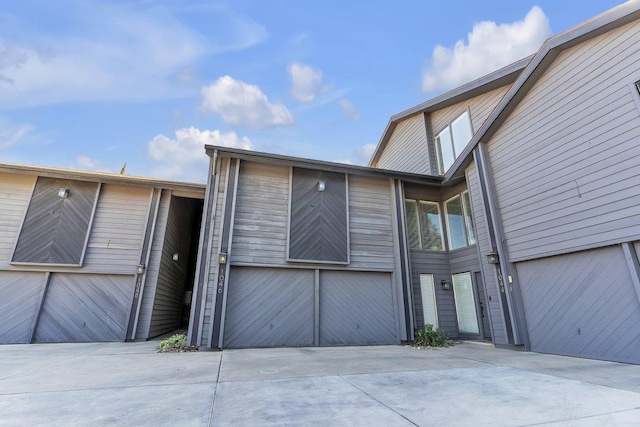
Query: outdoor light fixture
[175,257]
[446,285]
[492,258]
[63,192]
[140,269]
[321,185]
[222,258]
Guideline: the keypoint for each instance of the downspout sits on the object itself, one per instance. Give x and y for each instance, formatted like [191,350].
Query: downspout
[507,275]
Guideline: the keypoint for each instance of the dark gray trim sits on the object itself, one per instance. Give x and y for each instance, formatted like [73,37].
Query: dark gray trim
[226,232]
[43,295]
[405,263]
[484,84]
[277,159]
[145,251]
[607,21]
[204,248]
[313,265]
[316,308]
[634,266]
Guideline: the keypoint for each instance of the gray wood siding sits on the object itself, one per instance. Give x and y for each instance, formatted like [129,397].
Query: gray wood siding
[260,229]
[582,304]
[20,295]
[407,149]
[436,263]
[370,223]
[118,228]
[480,107]
[55,228]
[215,246]
[566,162]
[356,308]
[269,307]
[484,247]
[172,276]
[85,308]
[318,219]
[15,192]
[153,269]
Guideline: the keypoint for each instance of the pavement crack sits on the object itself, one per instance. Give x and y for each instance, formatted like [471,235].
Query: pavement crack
[377,400]
[586,417]
[215,391]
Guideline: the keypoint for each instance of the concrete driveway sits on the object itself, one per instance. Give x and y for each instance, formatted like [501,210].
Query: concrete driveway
[468,384]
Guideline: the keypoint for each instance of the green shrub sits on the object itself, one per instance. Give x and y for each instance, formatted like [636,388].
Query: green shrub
[177,342]
[431,337]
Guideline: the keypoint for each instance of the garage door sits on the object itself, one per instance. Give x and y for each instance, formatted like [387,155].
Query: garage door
[85,308]
[269,307]
[356,308]
[20,295]
[582,304]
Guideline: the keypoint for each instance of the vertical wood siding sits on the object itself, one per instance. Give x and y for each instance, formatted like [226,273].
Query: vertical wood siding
[172,276]
[19,301]
[484,247]
[318,224]
[582,304]
[566,161]
[260,228]
[407,149]
[15,191]
[118,229]
[370,223]
[55,228]
[480,107]
[269,308]
[85,308]
[356,308]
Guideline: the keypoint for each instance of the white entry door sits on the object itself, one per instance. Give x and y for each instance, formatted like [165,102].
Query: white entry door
[465,304]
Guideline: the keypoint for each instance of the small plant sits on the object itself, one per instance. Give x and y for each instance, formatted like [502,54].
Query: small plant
[431,337]
[175,343]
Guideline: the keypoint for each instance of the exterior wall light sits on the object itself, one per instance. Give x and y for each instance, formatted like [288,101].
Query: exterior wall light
[321,185]
[63,192]
[222,258]
[175,257]
[446,285]
[492,258]
[140,269]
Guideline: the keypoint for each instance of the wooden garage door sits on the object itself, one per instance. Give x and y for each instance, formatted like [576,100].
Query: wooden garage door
[85,308]
[268,307]
[356,308]
[582,304]
[20,295]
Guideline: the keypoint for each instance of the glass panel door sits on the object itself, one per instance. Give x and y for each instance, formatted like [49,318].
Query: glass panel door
[428,291]
[465,304]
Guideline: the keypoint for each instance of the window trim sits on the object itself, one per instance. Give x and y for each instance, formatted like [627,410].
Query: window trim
[86,239]
[439,160]
[444,249]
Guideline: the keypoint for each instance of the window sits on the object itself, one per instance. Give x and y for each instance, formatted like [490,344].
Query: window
[424,226]
[429,307]
[56,224]
[459,221]
[465,304]
[451,141]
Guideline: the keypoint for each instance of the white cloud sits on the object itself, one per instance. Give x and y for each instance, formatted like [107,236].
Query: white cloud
[11,135]
[118,52]
[243,105]
[367,150]
[88,163]
[489,46]
[184,157]
[306,81]
[349,109]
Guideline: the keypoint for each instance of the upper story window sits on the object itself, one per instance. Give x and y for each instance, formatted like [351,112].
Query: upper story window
[451,141]
[459,221]
[424,226]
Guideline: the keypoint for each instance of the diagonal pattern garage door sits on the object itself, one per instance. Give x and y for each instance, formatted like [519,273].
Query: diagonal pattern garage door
[19,299]
[85,308]
[356,308]
[268,307]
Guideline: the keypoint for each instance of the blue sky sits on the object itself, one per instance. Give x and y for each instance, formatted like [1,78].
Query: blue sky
[92,85]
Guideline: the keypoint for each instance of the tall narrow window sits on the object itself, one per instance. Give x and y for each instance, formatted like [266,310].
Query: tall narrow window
[456,228]
[465,304]
[468,218]
[413,224]
[429,306]
[431,226]
[452,140]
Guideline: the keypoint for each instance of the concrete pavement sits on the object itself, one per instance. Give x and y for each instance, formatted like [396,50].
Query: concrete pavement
[468,384]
